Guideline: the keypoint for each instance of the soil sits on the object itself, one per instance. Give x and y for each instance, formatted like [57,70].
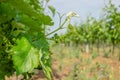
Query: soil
[68,64]
[61,71]
[115,64]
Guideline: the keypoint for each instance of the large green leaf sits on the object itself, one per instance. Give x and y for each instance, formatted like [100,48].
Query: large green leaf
[25,57]
[32,24]
[45,58]
[6,13]
[25,8]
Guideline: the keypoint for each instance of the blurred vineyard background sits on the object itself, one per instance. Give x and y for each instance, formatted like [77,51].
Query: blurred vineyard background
[95,35]
[90,50]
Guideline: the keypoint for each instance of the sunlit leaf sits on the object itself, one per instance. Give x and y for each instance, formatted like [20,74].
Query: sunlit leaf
[25,57]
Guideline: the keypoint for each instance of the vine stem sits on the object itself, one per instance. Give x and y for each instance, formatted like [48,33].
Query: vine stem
[60,27]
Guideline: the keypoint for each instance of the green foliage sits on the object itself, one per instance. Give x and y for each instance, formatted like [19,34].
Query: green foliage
[5,11]
[23,44]
[25,57]
[94,55]
[105,30]
[52,10]
[45,56]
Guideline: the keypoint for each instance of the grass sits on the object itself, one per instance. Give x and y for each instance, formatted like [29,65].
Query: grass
[71,64]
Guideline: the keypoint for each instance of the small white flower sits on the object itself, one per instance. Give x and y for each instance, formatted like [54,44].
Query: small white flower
[71,14]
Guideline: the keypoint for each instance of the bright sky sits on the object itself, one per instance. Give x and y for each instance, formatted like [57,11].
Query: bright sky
[81,7]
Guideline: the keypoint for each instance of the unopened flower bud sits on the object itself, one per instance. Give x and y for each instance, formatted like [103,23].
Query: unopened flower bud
[71,14]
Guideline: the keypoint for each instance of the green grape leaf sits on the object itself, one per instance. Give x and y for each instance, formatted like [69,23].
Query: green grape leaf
[26,9]
[41,42]
[25,57]
[6,13]
[47,20]
[45,59]
[32,24]
[46,65]
[52,10]
[23,6]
